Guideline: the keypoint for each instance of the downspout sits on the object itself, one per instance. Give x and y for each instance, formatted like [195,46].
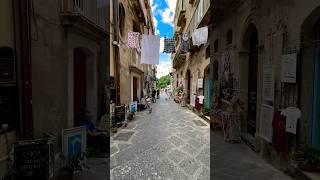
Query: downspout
[26,127]
[116,49]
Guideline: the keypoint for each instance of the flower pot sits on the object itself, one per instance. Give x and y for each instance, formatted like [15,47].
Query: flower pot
[308,167]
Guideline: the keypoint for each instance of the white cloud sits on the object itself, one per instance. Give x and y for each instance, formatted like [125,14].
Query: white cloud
[164,68]
[168,13]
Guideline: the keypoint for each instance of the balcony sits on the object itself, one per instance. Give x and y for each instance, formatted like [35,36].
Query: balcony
[200,16]
[180,13]
[178,59]
[85,15]
[135,65]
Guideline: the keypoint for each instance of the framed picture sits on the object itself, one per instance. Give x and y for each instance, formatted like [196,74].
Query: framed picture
[74,141]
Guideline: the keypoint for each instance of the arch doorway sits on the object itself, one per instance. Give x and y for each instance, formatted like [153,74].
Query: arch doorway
[251,38]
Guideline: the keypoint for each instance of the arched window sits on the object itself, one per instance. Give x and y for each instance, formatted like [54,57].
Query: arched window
[122,15]
[216,45]
[229,37]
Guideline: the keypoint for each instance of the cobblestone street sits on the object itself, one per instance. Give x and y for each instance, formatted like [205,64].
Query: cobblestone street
[170,143]
[239,162]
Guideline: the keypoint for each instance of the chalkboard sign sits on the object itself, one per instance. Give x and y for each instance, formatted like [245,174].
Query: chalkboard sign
[33,159]
[120,114]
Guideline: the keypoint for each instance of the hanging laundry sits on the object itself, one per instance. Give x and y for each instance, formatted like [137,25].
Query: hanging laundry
[292,115]
[169,45]
[185,43]
[133,40]
[200,36]
[150,47]
[201,98]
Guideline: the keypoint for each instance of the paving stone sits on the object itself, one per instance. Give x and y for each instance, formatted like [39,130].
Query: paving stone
[168,170]
[123,136]
[113,149]
[162,148]
[189,165]
[195,144]
[177,156]
[176,141]
[204,174]
[189,149]
[204,158]
[123,146]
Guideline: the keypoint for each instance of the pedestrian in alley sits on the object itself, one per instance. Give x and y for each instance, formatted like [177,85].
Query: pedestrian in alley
[154,92]
[158,94]
[97,138]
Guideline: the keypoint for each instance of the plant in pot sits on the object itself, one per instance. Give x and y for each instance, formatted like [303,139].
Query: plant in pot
[73,165]
[307,158]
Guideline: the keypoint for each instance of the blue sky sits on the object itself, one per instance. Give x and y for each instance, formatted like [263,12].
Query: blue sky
[163,15]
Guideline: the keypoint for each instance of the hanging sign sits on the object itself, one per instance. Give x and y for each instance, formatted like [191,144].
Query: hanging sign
[266,118]
[34,159]
[268,82]
[200,83]
[289,68]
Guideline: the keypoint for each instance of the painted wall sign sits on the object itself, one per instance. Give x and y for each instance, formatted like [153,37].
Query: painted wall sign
[268,82]
[266,118]
[34,159]
[74,141]
[289,68]
[200,83]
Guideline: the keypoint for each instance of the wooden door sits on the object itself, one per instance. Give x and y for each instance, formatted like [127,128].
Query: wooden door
[135,89]
[252,83]
[80,93]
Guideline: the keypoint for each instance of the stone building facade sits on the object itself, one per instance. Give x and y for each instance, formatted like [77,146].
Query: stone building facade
[130,76]
[193,66]
[58,64]
[255,36]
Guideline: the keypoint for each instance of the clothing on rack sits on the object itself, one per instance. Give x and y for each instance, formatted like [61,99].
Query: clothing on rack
[185,43]
[292,115]
[150,45]
[169,45]
[201,98]
[280,136]
[133,40]
[200,36]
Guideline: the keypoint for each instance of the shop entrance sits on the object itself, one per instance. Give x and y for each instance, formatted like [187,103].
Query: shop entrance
[252,80]
[80,85]
[135,89]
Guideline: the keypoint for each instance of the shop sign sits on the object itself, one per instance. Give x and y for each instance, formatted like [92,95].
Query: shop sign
[34,159]
[268,82]
[289,68]
[266,118]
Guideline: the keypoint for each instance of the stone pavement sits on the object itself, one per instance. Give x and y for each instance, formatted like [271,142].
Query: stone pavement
[170,143]
[239,162]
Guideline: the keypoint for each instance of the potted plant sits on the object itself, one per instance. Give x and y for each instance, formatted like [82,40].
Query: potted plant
[307,158]
[74,164]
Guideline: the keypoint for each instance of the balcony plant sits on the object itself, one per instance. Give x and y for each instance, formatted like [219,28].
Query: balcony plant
[307,158]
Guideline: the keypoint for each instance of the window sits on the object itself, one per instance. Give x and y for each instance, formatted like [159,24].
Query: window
[216,46]
[122,15]
[229,37]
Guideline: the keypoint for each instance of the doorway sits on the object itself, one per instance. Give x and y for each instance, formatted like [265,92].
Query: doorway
[80,86]
[135,89]
[252,80]
[207,87]
[188,86]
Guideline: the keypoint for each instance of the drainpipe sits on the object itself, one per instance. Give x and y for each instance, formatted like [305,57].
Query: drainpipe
[116,49]
[25,79]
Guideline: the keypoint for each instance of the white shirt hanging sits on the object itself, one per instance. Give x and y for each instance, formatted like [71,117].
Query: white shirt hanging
[201,98]
[200,36]
[292,115]
[150,46]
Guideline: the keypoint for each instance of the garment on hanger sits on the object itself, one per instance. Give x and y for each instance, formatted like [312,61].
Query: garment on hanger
[200,36]
[201,98]
[185,43]
[169,45]
[150,47]
[133,40]
[292,115]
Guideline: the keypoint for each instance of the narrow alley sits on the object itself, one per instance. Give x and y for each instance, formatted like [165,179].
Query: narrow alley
[170,143]
[239,162]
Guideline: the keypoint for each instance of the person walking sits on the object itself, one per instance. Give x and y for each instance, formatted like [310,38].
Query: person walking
[154,95]
[158,94]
